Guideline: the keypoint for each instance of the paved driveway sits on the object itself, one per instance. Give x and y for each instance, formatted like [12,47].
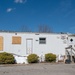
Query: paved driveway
[38,69]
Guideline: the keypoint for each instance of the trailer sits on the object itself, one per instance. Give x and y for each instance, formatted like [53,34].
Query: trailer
[21,44]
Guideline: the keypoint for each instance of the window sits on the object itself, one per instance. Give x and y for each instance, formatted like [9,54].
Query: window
[42,40]
[1,43]
[16,40]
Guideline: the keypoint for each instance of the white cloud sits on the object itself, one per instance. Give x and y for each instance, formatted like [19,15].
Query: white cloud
[10,9]
[20,1]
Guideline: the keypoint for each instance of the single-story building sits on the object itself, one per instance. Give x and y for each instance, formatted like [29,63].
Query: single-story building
[21,44]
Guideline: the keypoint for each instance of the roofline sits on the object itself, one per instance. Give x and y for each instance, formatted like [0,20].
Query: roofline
[30,32]
[5,31]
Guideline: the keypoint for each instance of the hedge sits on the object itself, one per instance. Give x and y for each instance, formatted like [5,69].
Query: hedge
[49,57]
[6,58]
[32,58]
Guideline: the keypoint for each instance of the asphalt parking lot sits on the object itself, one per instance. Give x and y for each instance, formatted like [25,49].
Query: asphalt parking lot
[38,69]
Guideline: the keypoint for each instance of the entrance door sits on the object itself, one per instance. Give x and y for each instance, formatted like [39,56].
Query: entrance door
[29,46]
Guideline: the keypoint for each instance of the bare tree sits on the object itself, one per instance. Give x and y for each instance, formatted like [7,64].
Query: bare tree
[24,28]
[44,29]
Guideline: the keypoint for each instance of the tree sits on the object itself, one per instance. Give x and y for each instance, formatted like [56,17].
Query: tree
[25,28]
[44,29]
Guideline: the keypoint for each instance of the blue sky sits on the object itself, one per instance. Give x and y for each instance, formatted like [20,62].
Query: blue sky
[59,15]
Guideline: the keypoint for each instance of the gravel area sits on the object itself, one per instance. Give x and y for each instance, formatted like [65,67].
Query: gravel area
[38,69]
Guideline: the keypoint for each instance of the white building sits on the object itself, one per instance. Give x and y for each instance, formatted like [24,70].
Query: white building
[21,44]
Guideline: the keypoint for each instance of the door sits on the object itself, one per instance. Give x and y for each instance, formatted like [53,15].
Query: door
[29,46]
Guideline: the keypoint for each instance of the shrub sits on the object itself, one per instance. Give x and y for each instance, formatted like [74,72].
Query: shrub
[6,58]
[32,58]
[49,57]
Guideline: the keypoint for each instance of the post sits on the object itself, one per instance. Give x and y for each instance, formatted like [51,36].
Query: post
[71,54]
[65,55]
